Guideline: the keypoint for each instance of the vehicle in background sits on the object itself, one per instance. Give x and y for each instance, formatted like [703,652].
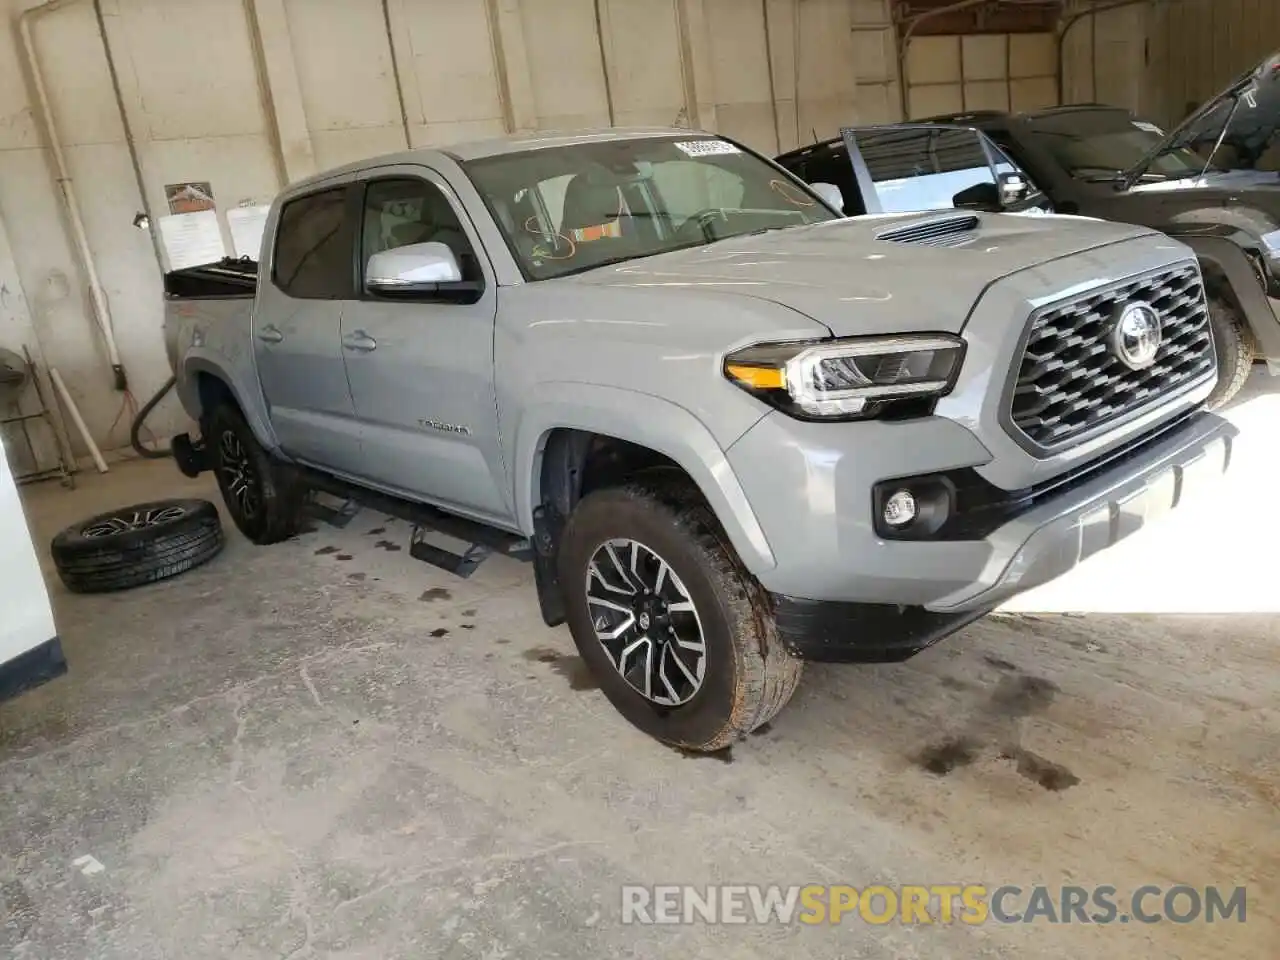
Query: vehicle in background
[1213,182]
[30,651]
[917,167]
[735,429]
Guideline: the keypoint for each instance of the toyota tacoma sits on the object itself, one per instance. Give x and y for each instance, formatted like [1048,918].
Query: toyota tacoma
[734,429]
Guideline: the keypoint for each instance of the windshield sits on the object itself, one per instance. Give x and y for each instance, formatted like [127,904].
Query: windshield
[567,209]
[1099,144]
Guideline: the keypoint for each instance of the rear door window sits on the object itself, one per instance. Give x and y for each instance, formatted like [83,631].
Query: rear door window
[315,246]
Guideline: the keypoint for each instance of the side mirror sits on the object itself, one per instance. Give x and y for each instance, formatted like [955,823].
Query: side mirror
[415,268]
[830,193]
[981,196]
[1013,188]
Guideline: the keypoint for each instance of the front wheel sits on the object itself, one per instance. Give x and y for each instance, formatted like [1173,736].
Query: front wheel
[679,635]
[1233,344]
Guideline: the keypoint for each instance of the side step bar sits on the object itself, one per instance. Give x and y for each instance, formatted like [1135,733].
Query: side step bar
[482,541]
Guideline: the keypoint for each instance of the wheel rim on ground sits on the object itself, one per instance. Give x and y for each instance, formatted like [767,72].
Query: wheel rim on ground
[238,477]
[132,519]
[645,620]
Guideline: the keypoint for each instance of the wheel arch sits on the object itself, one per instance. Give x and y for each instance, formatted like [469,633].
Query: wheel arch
[205,383]
[1228,272]
[557,437]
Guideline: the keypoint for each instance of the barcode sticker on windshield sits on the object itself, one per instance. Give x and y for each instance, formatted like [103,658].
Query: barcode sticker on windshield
[1148,127]
[706,148]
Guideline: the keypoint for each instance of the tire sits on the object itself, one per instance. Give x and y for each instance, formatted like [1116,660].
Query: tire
[262,497]
[1233,344]
[137,545]
[745,675]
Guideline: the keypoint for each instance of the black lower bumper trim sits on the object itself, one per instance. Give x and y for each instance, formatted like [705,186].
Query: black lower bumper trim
[30,669]
[841,632]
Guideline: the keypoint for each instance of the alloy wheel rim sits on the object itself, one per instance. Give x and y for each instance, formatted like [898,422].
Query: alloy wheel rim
[129,520]
[646,622]
[238,477]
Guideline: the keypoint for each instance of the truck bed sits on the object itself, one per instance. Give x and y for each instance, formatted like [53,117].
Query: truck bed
[226,279]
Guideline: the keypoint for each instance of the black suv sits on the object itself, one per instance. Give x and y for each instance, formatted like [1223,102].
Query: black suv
[1213,183]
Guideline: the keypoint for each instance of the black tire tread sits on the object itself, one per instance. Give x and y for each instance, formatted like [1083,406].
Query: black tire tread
[87,566]
[1236,351]
[283,496]
[769,674]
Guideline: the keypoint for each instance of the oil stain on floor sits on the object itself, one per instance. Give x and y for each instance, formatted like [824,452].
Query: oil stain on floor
[569,666]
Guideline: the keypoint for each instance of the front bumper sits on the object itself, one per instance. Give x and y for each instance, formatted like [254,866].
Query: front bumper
[1052,538]
[812,495]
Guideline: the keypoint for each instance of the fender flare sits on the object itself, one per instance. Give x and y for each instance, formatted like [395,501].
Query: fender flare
[651,422]
[1228,257]
[247,396]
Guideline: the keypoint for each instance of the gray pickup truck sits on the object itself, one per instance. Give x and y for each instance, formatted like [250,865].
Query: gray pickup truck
[734,429]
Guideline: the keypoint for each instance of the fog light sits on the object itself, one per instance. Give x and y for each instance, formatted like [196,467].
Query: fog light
[899,508]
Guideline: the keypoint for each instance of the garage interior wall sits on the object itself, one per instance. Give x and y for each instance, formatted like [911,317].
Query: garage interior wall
[994,71]
[251,94]
[1163,57]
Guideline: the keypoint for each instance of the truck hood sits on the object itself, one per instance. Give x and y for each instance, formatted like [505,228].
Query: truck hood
[1245,116]
[873,274]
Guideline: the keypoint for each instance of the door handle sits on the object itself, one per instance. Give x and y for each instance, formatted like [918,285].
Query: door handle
[269,334]
[359,340]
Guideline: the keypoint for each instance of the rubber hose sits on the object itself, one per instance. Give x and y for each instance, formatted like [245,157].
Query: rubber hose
[145,412]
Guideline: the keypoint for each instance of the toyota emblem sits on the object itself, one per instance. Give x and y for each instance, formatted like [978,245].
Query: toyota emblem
[1136,336]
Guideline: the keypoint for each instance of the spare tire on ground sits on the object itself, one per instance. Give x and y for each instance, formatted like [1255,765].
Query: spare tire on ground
[136,545]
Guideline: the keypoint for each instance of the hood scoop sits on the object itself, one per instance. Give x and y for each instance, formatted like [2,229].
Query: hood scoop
[937,232]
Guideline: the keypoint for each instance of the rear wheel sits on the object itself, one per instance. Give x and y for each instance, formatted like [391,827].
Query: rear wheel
[1233,344]
[263,498]
[679,635]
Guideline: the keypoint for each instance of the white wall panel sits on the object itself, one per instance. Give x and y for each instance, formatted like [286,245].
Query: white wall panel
[445,51]
[345,77]
[642,54]
[949,74]
[565,63]
[740,72]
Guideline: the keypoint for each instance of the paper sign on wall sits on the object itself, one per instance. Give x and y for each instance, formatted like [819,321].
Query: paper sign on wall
[192,239]
[191,197]
[247,225]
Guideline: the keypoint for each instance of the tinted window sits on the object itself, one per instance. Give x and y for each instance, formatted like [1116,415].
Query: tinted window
[313,248]
[407,210]
[923,168]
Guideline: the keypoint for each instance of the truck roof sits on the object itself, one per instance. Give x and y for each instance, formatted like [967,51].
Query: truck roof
[496,146]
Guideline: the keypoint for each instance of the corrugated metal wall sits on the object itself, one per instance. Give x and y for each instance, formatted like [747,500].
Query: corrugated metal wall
[1196,47]
[1162,57]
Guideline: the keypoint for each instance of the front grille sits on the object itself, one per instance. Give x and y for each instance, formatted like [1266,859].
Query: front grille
[1070,382]
[944,232]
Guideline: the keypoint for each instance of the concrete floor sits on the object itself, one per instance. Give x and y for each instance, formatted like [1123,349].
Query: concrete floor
[326,749]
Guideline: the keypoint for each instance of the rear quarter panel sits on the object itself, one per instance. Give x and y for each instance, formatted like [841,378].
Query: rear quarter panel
[214,336]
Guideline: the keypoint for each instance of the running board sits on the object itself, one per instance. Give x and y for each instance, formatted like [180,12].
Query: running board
[478,541]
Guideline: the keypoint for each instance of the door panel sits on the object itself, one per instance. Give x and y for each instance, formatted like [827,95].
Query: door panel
[421,366]
[297,332]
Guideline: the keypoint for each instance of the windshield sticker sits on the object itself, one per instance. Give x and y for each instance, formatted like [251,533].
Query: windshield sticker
[1148,127]
[706,148]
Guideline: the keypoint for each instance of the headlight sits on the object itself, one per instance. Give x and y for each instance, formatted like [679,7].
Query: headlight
[853,379]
